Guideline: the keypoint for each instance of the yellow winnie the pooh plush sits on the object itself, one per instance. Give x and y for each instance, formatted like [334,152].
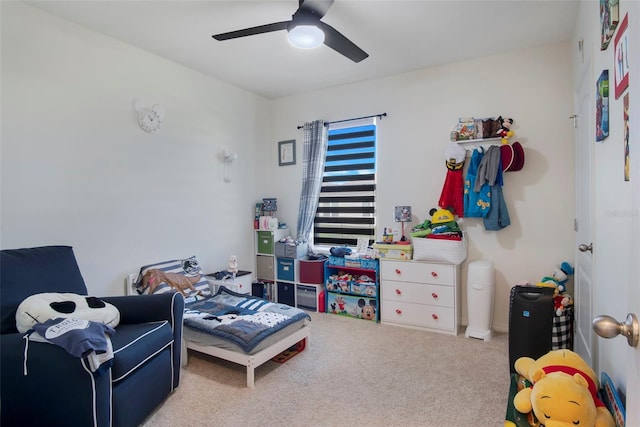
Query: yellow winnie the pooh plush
[564,391]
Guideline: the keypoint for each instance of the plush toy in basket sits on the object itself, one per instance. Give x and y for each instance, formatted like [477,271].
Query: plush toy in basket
[562,391]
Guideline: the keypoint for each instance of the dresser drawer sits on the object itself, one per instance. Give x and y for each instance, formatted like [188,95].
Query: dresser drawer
[422,272]
[419,293]
[427,316]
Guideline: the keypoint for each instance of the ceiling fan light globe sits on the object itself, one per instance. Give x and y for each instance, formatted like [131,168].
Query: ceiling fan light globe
[306,36]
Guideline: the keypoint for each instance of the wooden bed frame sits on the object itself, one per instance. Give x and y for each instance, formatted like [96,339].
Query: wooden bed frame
[251,361]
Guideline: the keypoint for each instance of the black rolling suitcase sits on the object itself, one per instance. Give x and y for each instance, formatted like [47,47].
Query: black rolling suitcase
[530,322]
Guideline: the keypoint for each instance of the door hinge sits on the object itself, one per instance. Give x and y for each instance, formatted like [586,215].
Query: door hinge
[575,120]
[575,224]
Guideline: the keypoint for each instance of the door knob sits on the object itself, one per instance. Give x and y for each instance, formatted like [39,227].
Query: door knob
[608,327]
[585,248]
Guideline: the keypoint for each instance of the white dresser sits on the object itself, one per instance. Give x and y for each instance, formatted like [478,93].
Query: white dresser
[420,295]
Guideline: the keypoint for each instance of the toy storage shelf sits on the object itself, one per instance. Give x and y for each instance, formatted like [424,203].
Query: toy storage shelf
[355,292]
[266,262]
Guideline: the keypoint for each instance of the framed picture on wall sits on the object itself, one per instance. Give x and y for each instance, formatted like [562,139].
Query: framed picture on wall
[609,13]
[621,58]
[287,152]
[602,106]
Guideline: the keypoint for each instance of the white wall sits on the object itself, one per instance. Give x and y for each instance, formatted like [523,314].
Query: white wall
[532,86]
[77,169]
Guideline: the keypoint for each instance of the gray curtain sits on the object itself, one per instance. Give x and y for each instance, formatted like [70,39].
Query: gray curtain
[313,159]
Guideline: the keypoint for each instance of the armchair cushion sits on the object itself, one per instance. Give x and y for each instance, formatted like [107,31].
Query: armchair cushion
[133,344]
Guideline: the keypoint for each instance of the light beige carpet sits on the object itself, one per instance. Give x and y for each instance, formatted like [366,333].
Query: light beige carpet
[353,373]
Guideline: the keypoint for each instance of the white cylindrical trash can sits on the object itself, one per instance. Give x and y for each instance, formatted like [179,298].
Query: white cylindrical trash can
[480,293]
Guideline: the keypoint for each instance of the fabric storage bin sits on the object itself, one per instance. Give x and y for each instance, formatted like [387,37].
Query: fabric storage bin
[286,294]
[366,289]
[562,332]
[352,306]
[265,242]
[306,297]
[336,260]
[312,271]
[440,250]
[264,270]
[286,250]
[286,269]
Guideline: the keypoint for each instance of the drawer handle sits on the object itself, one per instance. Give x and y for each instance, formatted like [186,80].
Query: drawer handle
[398,291]
[398,271]
[434,274]
[435,316]
[398,311]
[434,295]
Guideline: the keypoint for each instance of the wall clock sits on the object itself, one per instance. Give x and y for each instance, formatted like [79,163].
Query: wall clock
[149,118]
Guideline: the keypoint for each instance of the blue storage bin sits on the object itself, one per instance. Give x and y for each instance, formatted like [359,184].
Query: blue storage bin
[286,269]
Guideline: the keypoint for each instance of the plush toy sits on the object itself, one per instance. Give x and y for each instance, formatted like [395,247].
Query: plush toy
[561,274]
[233,264]
[39,308]
[561,302]
[181,283]
[505,131]
[564,391]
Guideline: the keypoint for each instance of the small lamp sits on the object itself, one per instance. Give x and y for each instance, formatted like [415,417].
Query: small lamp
[402,214]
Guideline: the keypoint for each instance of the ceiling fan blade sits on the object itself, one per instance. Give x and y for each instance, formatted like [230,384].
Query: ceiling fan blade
[318,8]
[336,41]
[276,26]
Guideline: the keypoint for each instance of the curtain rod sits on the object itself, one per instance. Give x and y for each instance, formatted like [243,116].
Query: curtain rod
[380,116]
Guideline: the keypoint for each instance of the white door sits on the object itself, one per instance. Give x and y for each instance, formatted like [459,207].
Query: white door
[584,343]
[633,362]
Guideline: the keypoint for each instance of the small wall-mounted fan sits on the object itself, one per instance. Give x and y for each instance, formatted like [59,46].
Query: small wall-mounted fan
[306,30]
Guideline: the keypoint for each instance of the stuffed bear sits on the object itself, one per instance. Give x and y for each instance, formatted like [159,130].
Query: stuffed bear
[564,391]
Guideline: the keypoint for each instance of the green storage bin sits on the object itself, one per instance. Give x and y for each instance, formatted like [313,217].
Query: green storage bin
[265,242]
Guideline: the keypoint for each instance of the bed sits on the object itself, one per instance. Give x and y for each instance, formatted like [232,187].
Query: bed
[239,328]
[242,329]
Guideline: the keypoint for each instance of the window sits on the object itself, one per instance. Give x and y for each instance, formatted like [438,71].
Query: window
[347,201]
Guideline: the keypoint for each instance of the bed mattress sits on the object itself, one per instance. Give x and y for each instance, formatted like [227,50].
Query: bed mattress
[239,322]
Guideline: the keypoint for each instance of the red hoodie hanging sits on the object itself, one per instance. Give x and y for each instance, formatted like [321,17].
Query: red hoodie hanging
[451,197]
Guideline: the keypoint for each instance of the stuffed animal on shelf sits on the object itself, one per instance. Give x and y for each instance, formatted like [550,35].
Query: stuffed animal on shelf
[564,391]
[233,265]
[504,131]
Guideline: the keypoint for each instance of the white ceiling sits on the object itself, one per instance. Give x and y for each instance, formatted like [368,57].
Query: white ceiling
[399,35]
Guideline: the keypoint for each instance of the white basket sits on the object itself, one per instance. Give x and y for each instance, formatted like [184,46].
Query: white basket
[440,250]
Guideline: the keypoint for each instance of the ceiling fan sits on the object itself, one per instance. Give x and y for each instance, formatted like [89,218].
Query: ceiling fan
[306,30]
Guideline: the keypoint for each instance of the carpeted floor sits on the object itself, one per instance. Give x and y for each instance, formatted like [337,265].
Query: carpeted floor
[352,373]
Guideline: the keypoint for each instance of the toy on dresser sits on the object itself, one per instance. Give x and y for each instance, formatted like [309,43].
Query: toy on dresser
[233,265]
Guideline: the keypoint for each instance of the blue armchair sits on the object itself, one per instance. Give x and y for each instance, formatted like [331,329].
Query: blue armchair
[52,387]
